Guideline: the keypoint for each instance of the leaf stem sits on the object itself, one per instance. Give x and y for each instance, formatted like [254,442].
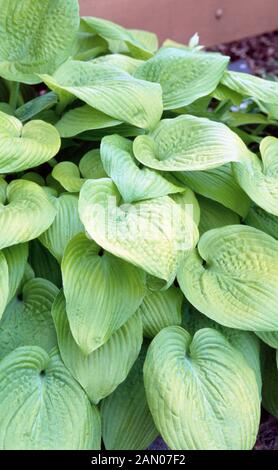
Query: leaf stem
[14,91]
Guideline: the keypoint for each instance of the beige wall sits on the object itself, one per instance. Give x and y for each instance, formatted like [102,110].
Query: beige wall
[215,20]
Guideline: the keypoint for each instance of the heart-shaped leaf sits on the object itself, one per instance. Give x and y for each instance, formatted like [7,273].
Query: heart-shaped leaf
[109,90]
[23,147]
[28,321]
[188,143]
[134,183]
[233,276]
[35,37]
[184,75]
[102,292]
[153,234]
[202,393]
[28,213]
[42,406]
[104,369]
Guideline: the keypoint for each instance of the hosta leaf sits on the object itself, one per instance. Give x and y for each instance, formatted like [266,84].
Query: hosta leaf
[16,257]
[214,215]
[102,292]
[201,391]
[109,90]
[269,337]
[35,177]
[134,183]
[23,147]
[33,107]
[44,264]
[183,75]
[262,220]
[83,119]
[147,38]
[42,406]
[218,184]
[259,178]
[270,381]
[245,342]
[65,226]
[104,369]
[67,174]
[152,234]
[35,37]
[114,32]
[160,309]
[91,166]
[232,278]
[188,143]
[123,62]
[27,213]
[252,87]
[126,420]
[28,321]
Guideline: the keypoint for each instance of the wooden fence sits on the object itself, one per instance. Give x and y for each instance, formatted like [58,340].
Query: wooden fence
[215,20]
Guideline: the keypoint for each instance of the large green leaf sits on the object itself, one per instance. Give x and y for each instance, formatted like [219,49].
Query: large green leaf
[35,36]
[16,257]
[218,184]
[114,33]
[152,234]
[109,90]
[42,407]
[188,143]
[134,183]
[233,276]
[65,226]
[202,393]
[126,420]
[265,91]
[28,213]
[27,321]
[102,292]
[23,147]
[160,309]
[214,215]
[262,220]
[104,369]
[83,118]
[183,75]
[259,177]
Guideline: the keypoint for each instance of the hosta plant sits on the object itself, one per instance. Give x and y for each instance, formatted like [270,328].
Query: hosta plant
[138,241]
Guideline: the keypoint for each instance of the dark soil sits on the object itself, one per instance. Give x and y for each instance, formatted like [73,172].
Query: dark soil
[259,56]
